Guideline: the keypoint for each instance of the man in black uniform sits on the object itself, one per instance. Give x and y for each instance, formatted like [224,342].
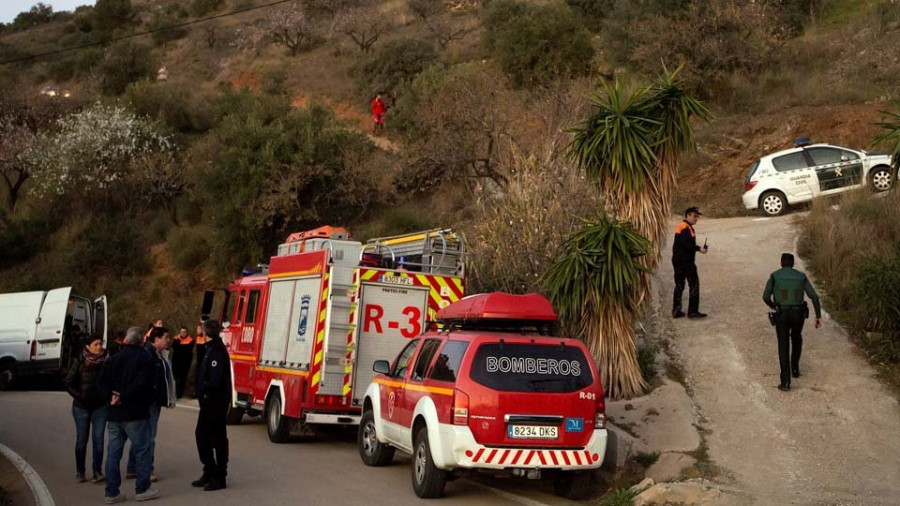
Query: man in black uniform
[684,251]
[214,395]
[784,293]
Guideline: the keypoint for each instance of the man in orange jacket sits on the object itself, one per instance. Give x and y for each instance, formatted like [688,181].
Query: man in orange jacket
[182,355]
[684,251]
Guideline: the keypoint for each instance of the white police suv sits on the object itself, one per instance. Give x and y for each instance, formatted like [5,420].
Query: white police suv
[807,171]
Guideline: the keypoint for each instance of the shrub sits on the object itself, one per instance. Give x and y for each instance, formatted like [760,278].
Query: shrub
[188,248]
[124,64]
[535,44]
[22,239]
[394,65]
[200,8]
[171,104]
[875,289]
[161,20]
[111,15]
[109,244]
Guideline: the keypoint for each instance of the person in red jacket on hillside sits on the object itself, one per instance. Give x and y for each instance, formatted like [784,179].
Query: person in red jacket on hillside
[379,108]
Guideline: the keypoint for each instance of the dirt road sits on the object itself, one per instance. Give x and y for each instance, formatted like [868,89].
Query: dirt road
[833,439]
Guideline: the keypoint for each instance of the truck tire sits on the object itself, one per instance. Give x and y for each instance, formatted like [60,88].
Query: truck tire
[880,179]
[372,452]
[234,415]
[576,485]
[773,203]
[277,425]
[428,481]
[7,375]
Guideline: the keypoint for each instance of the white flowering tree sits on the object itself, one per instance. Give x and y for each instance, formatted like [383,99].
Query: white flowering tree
[94,149]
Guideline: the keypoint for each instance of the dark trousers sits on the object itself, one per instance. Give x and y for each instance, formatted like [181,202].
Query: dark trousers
[789,327]
[212,440]
[181,365]
[93,424]
[686,273]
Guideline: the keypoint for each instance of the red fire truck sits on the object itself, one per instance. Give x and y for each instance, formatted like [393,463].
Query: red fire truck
[304,331]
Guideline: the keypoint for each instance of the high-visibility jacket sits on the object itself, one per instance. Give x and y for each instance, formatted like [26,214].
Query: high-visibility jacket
[201,339]
[183,341]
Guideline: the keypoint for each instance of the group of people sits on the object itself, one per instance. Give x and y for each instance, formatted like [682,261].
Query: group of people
[784,294]
[122,395]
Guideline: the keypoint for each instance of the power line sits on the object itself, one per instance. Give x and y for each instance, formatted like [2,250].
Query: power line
[140,34]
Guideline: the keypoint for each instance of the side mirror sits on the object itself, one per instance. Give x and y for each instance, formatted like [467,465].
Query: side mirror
[381,366]
[206,308]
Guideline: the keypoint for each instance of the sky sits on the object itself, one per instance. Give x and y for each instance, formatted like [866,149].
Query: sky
[9,9]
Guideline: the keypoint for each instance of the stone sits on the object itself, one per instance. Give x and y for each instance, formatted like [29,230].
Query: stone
[686,494]
[643,485]
[669,466]
[619,446]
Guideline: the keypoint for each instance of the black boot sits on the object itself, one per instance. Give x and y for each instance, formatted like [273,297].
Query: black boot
[203,481]
[215,483]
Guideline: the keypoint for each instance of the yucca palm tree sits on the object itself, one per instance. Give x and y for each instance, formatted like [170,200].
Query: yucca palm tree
[630,145]
[590,283]
[890,135]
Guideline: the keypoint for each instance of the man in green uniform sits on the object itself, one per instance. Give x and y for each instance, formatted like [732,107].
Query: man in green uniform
[784,293]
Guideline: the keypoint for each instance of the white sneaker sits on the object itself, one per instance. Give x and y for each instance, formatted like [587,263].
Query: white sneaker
[113,500]
[150,493]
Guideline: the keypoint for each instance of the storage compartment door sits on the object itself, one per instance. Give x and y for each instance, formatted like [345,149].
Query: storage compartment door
[51,324]
[389,316]
[304,320]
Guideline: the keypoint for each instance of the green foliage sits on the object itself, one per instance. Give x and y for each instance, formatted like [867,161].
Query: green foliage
[171,105]
[646,357]
[21,239]
[39,14]
[595,268]
[395,221]
[535,44]
[200,8]
[275,169]
[188,248]
[162,20]
[108,244]
[593,12]
[890,135]
[875,288]
[125,63]
[621,497]
[111,15]
[394,65]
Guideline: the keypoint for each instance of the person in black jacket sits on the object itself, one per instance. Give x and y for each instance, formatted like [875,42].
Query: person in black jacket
[684,251]
[214,396]
[127,381]
[89,407]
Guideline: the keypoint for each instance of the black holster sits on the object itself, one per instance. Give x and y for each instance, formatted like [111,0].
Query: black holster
[805,310]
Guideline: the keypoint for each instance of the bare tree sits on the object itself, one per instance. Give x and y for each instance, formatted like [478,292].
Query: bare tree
[17,142]
[432,13]
[291,27]
[363,26]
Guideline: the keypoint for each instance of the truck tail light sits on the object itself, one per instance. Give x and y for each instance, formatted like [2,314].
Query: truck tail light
[749,185]
[460,408]
[33,349]
[600,414]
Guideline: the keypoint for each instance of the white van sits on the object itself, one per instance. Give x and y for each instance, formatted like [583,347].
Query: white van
[40,332]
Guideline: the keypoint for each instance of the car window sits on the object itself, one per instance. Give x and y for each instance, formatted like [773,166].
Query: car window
[402,363]
[424,360]
[791,161]
[849,155]
[252,302]
[825,156]
[447,365]
[531,367]
[752,171]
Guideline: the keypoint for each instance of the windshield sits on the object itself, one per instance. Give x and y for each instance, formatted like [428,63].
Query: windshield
[527,367]
[752,171]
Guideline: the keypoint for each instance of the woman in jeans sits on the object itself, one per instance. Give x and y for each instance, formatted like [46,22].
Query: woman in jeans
[89,407]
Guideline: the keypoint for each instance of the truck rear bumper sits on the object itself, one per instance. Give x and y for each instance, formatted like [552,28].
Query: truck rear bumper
[459,450]
[332,419]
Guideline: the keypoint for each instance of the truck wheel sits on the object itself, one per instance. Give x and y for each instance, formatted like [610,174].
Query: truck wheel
[372,452]
[278,426]
[7,375]
[773,203]
[428,480]
[576,484]
[880,179]
[234,415]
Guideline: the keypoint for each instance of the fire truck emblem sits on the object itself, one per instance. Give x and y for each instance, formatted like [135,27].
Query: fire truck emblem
[391,405]
[304,314]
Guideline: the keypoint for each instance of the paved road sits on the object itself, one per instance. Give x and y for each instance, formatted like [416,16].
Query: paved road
[39,427]
[833,439]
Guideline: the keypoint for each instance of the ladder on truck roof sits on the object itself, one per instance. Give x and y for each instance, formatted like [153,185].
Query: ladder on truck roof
[436,251]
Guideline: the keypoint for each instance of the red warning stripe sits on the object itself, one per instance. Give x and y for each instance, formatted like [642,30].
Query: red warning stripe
[491,456]
[478,455]
[518,454]
[566,458]
[553,456]
[503,458]
[541,456]
[587,457]
[577,458]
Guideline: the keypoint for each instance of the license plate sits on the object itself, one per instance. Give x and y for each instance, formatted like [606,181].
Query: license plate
[532,432]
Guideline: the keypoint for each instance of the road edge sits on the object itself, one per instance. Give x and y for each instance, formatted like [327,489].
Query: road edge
[39,490]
